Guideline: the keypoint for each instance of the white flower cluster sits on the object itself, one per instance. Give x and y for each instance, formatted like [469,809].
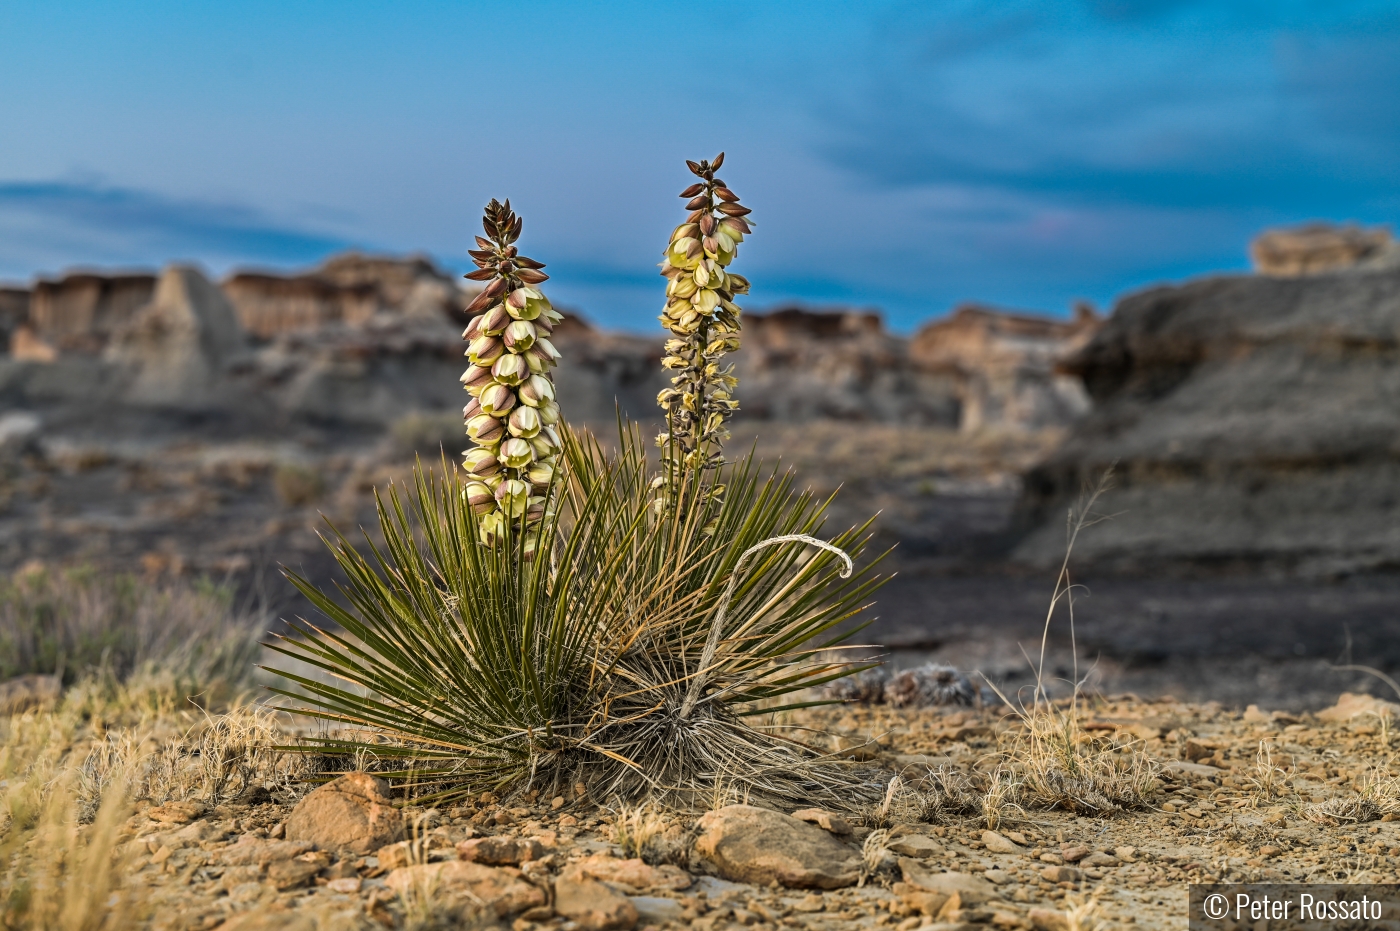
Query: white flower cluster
[704,320]
[513,411]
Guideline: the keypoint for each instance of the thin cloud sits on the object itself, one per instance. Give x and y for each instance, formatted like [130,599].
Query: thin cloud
[56,224]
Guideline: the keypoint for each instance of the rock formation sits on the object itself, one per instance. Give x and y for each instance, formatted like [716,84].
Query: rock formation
[1323,247]
[349,289]
[367,340]
[796,365]
[1254,423]
[78,313]
[1004,365]
[14,312]
[178,347]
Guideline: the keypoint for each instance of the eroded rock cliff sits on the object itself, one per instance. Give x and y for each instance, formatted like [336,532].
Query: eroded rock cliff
[1255,423]
[368,340]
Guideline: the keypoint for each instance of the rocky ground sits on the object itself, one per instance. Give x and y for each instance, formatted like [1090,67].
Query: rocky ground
[1233,796]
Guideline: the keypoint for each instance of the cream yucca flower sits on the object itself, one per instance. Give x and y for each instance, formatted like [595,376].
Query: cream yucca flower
[512,413]
[701,314]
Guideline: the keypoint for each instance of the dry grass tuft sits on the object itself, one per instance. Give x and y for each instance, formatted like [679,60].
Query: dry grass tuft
[640,830]
[1055,763]
[1080,915]
[1269,780]
[43,845]
[874,854]
[213,761]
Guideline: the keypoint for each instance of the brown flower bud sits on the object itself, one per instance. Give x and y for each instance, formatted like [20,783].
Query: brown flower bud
[698,202]
[481,274]
[707,224]
[475,377]
[530,276]
[725,194]
[494,321]
[733,210]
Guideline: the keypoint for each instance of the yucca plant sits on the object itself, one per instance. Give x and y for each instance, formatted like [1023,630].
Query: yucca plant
[601,639]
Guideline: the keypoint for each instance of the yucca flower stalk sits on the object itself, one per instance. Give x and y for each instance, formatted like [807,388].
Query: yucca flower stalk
[704,322]
[513,414]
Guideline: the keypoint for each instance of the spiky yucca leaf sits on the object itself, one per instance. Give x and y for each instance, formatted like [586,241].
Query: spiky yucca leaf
[588,662]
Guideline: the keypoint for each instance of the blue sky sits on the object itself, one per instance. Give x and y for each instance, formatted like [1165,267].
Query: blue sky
[905,156]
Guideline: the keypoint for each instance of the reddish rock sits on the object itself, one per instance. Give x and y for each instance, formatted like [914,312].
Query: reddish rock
[469,883]
[500,851]
[754,845]
[634,873]
[591,904]
[352,813]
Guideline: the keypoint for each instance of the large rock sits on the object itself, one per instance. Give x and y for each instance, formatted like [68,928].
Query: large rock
[754,845]
[591,904]
[1253,421]
[468,883]
[351,813]
[634,873]
[179,346]
[1322,247]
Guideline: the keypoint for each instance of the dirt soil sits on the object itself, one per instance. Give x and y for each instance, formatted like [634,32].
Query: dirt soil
[1221,810]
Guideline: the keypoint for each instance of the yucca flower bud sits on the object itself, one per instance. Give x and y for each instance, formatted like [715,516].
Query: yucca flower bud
[479,497]
[541,473]
[513,496]
[542,446]
[524,422]
[549,412]
[520,335]
[516,453]
[496,399]
[704,321]
[494,321]
[485,429]
[536,390]
[484,350]
[480,461]
[475,378]
[510,369]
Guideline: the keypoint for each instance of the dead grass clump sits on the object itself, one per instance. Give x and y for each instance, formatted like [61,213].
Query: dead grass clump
[1061,766]
[58,873]
[75,623]
[1269,780]
[640,831]
[1377,794]
[215,760]
[1057,764]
